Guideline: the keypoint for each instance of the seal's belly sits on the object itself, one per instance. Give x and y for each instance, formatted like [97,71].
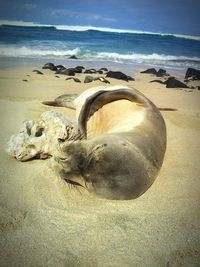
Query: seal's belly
[117,116]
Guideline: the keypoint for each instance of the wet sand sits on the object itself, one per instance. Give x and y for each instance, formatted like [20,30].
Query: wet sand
[44,222]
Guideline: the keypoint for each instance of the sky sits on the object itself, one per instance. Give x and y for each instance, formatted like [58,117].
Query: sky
[171,16]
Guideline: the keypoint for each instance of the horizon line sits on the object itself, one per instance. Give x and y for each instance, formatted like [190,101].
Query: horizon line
[89,27]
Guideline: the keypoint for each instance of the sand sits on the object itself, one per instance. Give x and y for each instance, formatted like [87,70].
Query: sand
[44,222]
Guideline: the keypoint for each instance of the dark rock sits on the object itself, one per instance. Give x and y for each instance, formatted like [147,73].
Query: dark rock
[172,82]
[57,76]
[100,71]
[117,75]
[90,71]
[69,72]
[78,69]
[60,67]
[198,87]
[73,57]
[25,80]
[38,72]
[150,71]
[157,81]
[60,71]
[102,79]
[88,79]
[103,69]
[161,73]
[193,74]
[129,78]
[75,79]
[50,66]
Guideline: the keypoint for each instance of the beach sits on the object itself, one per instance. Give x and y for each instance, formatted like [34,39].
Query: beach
[44,222]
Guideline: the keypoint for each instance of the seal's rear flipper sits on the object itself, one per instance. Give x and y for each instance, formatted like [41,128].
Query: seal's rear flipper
[66,100]
[50,103]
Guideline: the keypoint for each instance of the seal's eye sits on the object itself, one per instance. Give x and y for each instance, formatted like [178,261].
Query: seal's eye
[61,140]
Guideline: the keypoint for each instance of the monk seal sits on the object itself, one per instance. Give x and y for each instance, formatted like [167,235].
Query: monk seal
[122,144]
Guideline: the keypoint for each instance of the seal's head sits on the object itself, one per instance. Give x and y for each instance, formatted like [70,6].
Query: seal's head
[108,166]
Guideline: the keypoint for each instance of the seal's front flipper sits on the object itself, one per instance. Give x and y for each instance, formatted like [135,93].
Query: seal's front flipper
[66,100]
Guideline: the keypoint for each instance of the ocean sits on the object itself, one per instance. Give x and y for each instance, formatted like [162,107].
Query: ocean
[100,45]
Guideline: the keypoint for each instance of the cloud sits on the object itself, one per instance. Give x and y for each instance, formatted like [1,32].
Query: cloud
[29,6]
[20,23]
[98,17]
[63,13]
[77,15]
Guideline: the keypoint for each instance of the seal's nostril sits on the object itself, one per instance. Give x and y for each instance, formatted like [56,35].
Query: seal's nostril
[62,158]
[59,159]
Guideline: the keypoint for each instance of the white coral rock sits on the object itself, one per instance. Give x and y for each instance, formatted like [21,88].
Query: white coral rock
[39,138]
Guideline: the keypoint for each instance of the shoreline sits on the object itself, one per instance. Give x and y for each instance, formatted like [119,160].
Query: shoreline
[128,68]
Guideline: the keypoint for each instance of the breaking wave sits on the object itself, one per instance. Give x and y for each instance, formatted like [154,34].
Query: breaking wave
[29,52]
[99,56]
[88,28]
[154,56]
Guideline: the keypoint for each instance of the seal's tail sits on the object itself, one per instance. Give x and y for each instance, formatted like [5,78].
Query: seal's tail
[51,103]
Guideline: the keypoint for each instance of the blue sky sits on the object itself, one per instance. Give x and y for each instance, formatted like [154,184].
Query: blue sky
[172,16]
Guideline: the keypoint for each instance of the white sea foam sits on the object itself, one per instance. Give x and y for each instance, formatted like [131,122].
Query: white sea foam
[191,37]
[137,56]
[28,51]
[40,52]
[86,28]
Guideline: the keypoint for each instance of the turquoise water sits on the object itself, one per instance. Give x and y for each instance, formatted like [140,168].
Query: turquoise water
[92,45]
